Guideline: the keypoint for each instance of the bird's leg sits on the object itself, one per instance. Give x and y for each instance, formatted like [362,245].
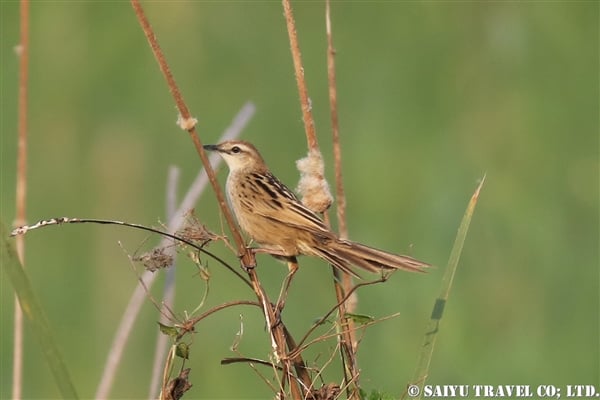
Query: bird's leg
[292,263]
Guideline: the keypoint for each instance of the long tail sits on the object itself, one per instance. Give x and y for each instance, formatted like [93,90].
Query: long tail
[344,253]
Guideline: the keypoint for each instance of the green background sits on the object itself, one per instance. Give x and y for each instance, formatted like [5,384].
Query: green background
[432,96]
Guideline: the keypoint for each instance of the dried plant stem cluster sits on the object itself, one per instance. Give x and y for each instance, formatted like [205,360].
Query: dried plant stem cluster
[311,182]
[293,377]
[277,332]
[274,218]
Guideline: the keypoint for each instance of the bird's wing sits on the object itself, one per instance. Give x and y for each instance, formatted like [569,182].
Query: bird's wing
[283,206]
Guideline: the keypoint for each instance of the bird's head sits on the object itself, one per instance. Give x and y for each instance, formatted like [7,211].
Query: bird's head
[239,155]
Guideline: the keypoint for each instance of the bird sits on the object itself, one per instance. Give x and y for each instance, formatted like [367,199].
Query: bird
[273,217]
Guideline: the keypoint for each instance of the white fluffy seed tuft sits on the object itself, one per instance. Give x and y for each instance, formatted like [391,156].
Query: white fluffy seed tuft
[312,187]
[186,124]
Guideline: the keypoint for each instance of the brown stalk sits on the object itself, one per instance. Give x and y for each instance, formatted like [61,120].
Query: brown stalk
[21,192]
[335,130]
[278,340]
[309,123]
[344,282]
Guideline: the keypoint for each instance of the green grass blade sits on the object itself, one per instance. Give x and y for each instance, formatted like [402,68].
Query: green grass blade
[432,329]
[9,263]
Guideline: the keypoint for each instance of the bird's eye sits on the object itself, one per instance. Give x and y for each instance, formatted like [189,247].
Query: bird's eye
[235,149]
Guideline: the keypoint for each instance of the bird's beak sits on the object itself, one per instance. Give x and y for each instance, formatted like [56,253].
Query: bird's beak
[211,147]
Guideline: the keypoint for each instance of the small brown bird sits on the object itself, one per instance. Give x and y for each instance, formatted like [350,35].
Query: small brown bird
[272,216]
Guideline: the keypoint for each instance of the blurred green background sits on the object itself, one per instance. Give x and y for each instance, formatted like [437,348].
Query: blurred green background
[432,95]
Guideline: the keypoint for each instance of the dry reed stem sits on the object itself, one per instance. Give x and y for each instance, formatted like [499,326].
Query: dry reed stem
[309,123]
[344,282]
[335,131]
[21,192]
